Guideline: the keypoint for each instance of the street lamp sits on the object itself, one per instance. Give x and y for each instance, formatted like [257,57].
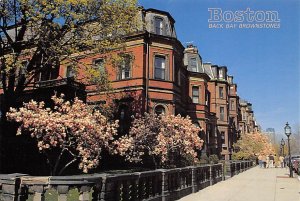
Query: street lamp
[288,132]
[282,143]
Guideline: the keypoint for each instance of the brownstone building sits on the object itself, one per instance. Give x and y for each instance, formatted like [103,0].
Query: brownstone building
[160,75]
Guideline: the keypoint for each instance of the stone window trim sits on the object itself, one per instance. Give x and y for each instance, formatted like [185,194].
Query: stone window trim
[167,65]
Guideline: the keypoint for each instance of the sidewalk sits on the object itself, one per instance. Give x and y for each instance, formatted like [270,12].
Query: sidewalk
[256,184]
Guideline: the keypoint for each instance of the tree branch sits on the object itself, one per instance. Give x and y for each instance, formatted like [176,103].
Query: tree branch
[67,165]
[58,160]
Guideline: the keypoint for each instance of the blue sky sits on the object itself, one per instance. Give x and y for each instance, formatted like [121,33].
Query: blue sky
[265,63]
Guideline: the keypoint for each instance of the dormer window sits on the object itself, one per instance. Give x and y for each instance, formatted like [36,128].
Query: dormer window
[158,25]
[221,75]
[193,64]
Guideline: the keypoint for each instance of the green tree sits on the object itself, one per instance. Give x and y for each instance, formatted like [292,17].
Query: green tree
[251,145]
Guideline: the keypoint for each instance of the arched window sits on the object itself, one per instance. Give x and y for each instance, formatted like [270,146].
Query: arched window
[159,109]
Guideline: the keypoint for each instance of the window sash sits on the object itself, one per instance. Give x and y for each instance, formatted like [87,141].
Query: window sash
[125,68]
[160,67]
[193,62]
[223,137]
[70,72]
[195,94]
[158,26]
[222,113]
[232,105]
[99,64]
[221,73]
[125,73]
[221,94]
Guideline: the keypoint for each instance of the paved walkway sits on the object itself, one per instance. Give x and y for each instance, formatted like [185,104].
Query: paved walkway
[256,184]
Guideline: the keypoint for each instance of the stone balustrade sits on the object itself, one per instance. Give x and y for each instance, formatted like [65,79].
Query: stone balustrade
[160,184]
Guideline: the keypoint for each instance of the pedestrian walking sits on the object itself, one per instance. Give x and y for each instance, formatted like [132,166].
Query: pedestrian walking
[260,161]
[264,161]
[271,161]
[281,160]
[267,161]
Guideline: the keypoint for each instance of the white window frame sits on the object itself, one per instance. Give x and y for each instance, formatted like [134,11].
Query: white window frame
[196,97]
[162,68]
[158,29]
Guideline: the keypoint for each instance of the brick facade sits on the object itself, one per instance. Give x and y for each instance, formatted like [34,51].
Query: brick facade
[165,77]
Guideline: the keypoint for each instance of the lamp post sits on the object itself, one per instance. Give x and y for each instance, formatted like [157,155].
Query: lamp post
[288,132]
[282,143]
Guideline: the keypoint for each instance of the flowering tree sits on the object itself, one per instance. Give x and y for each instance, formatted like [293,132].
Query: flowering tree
[71,128]
[251,145]
[160,137]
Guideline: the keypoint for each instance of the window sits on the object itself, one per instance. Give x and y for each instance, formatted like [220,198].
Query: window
[244,116]
[70,72]
[49,72]
[221,73]
[195,94]
[231,90]
[160,67]
[193,64]
[232,105]
[23,69]
[206,98]
[158,25]
[124,119]
[160,110]
[221,94]
[223,137]
[99,64]
[125,68]
[222,113]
